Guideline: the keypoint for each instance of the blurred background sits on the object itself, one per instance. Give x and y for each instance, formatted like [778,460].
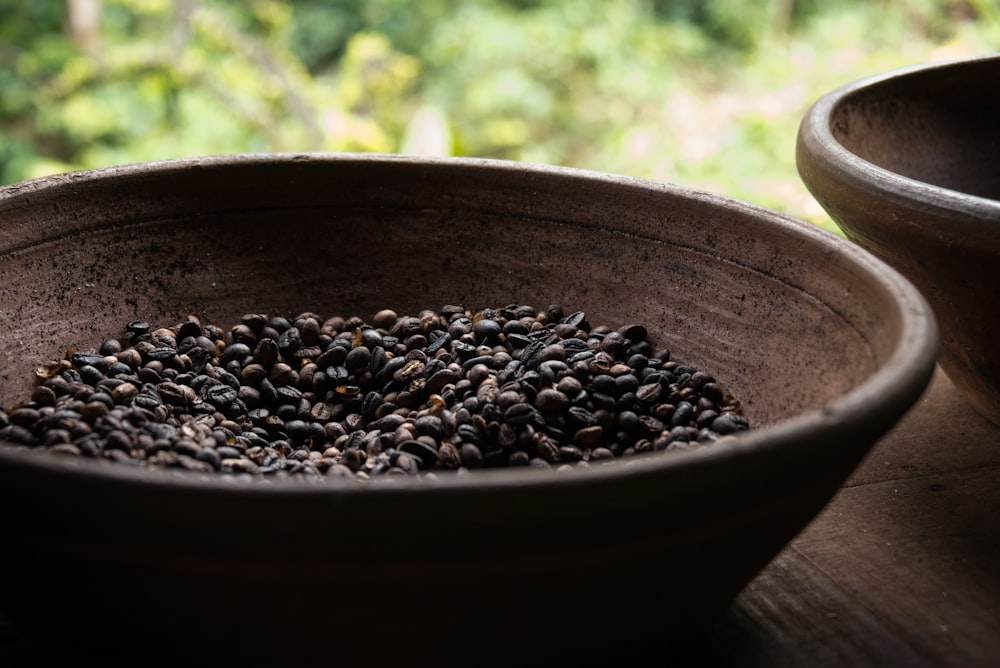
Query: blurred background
[707,93]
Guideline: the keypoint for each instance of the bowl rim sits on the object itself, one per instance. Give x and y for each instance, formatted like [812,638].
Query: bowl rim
[817,140]
[897,383]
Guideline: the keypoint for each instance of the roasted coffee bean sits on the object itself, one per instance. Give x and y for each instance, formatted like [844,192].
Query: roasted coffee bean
[729,423]
[448,456]
[43,396]
[24,417]
[471,456]
[221,395]
[451,390]
[17,434]
[598,454]
[425,453]
[683,414]
[358,358]
[589,437]
[523,414]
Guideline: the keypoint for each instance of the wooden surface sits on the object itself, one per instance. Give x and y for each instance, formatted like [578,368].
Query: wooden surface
[901,569]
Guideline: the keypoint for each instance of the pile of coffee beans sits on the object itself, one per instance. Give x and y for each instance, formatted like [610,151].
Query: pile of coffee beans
[310,396]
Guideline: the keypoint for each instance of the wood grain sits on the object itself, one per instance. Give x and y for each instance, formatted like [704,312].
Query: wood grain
[901,569]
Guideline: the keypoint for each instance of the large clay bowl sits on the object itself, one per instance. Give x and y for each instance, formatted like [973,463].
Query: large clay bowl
[906,164]
[826,346]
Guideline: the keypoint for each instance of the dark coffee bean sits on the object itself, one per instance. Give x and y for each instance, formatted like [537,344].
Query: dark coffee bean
[549,353]
[650,426]
[728,423]
[713,393]
[588,437]
[266,353]
[110,347]
[17,434]
[221,395]
[614,343]
[649,393]
[43,396]
[471,456]
[470,434]
[699,379]
[357,359]
[297,430]
[440,379]
[626,383]
[706,435]
[426,454]
[603,401]
[235,352]
[633,332]
[577,320]
[486,329]
[683,414]
[94,411]
[430,425]
[211,457]
[90,375]
[518,341]
[508,387]
[679,434]
[137,328]
[282,374]
[171,393]
[162,354]
[522,414]
[598,454]
[55,435]
[603,384]
[289,341]
[448,456]
[706,418]
[551,401]
[570,386]
[24,417]
[546,448]
[289,394]
[518,458]
[570,453]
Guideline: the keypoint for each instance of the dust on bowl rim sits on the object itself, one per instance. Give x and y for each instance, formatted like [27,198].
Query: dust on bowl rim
[904,368]
[849,166]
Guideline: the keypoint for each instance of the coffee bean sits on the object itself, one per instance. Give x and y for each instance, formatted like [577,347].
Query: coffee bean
[588,437]
[448,456]
[728,423]
[447,390]
[425,453]
[471,456]
[551,401]
[683,414]
[598,454]
[358,358]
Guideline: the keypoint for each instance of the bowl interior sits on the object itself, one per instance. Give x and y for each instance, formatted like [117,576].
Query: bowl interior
[778,315]
[937,125]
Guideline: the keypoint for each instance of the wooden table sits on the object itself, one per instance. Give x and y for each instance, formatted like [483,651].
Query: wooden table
[901,569]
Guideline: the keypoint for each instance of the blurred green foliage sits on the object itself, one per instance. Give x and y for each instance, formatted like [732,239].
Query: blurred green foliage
[707,93]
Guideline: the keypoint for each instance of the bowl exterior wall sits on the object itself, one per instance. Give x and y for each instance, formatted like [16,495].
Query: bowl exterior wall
[510,567]
[904,163]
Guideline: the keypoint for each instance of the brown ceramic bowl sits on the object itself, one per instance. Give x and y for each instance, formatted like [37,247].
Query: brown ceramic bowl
[906,163]
[826,346]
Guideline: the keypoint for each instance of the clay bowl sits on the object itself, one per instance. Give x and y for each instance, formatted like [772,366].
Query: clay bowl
[906,164]
[826,346]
